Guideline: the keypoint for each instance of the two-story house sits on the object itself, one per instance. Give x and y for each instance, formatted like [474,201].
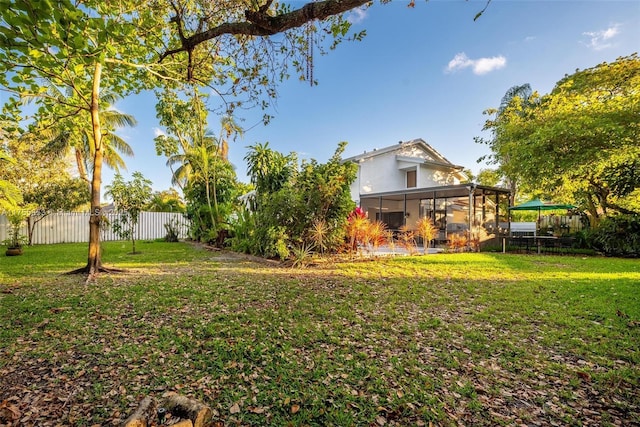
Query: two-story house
[404,182]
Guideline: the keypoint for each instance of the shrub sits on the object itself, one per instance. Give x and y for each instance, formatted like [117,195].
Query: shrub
[427,231]
[173,230]
[617,236]
[457,242]
[407,239]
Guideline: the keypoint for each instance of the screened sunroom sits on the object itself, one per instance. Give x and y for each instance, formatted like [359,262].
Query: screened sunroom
[476,212]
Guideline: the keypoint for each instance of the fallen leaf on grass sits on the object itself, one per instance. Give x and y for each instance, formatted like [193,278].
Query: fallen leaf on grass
[584,375]
[235,409]
[295,409]
[8,411]
[42,324]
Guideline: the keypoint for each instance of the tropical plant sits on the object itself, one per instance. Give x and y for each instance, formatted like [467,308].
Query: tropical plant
[269,170]
[198,161]
[74,137]
[301,255]
[166,201]
[295,204]
[390,239]
[427,231]
[318,234]
[457,242]
[376,234]
[525,99]
[173,231]
[407,239]
[16,218]
[357,225]
[128,46]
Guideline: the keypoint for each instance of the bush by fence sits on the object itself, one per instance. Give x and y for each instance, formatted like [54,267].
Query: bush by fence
[73,227]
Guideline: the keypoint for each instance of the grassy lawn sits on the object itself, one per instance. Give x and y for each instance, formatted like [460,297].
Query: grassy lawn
[447,339]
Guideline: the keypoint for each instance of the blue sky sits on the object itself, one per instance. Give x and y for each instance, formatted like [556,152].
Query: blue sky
[427,72]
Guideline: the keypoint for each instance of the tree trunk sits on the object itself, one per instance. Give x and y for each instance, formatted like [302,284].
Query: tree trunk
[94,262]
[31,225]
[132,232]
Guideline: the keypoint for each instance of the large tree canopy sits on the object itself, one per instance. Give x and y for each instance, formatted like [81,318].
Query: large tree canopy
[64,55]
[581,141]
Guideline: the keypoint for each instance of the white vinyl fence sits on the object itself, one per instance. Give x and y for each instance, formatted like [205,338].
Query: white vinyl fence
[71,227]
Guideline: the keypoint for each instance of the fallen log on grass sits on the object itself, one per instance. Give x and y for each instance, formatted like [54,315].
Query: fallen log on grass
[183,407]
[143,415]
[185,412]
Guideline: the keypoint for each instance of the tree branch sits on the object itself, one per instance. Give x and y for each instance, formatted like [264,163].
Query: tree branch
[259,23]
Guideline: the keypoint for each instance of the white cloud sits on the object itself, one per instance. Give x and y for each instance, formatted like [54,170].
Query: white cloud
[158,132]
[357,15]
[479,66]
[599,40]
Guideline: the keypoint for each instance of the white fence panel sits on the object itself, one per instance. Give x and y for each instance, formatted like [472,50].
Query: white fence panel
[73,227]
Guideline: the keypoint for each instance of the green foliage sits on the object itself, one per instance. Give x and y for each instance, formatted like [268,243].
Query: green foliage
[296,206]
[489,177]
[244,228]
[211,204]
[10,195]
[173,231]
[42,179]
[617,235]
[301,255]
[66,56]
[269,170]
[581,142]
[166,201]
[203,172]
[16,218]
[130,198]
[274,242]
[318,234]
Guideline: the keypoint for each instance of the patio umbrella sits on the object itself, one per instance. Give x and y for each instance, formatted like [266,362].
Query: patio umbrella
[538,205]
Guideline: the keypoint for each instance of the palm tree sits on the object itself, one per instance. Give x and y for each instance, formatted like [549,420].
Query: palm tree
[78,139]
[195,164]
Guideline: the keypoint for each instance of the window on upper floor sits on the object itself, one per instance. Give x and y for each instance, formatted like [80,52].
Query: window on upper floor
[411,179]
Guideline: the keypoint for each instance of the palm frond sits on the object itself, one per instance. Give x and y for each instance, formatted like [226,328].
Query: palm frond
[114,119]
[118,144]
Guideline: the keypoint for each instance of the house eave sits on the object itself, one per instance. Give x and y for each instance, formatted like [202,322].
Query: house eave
[458,190]
[435,164]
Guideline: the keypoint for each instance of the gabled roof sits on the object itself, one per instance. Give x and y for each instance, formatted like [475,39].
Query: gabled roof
[435,157]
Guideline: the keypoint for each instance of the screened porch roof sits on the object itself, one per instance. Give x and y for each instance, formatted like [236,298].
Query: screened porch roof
[445,191]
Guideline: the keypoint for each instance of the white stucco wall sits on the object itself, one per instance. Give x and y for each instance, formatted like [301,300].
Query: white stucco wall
[378,174]
[386,172]
[429,177]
